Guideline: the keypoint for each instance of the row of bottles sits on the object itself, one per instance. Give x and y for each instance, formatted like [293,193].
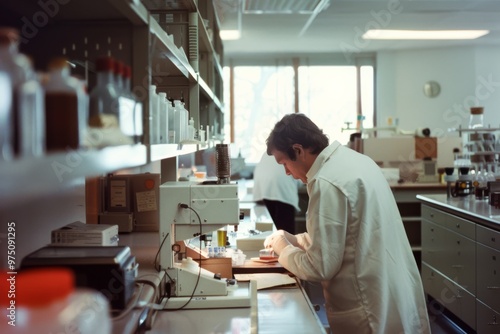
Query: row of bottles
[169,122]
[52,111]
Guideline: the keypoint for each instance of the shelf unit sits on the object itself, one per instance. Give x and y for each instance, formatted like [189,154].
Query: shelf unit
[82,30]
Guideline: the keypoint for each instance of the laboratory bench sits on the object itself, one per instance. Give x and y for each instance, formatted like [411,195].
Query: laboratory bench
[276,310]
[460,259]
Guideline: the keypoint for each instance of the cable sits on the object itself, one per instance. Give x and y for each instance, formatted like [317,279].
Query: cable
[158,268]
[185,206]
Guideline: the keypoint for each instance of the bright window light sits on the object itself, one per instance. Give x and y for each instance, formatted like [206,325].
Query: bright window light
[230,34]
[424,34]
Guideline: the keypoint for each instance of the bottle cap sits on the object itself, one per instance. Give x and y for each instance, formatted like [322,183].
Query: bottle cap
[127,71]
[41,286]
[58,63]
[119,68]
[476,110]
[105,64]
[8,35]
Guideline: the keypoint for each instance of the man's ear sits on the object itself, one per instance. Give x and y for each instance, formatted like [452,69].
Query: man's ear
[298,149]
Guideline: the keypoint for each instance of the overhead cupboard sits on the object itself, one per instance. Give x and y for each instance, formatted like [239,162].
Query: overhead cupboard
[185,64]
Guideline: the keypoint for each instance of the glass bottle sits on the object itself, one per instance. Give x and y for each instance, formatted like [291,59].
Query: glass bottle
[26,120]
[103,106]
[476,118]
[65,108]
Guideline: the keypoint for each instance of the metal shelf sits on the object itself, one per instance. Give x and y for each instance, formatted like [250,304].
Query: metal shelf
[33,177]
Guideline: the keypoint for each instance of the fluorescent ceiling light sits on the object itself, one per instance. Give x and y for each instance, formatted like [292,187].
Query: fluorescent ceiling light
[424,34]
[230,34]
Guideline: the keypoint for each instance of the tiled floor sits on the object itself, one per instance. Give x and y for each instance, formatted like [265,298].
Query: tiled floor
[439,321]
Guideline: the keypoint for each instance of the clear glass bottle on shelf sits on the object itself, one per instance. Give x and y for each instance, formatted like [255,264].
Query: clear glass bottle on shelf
[25,134]
[65,108]
[103,108]
[476,118]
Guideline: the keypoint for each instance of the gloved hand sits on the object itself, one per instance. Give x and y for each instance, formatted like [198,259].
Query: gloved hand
[277,241]
[290,237]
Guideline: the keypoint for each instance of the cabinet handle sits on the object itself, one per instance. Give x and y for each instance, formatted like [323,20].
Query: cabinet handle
[458,225]
[493,287]
[493,239]
[432,215]
[456,266]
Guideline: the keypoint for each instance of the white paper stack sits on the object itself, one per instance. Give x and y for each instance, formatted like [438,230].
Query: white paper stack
[81,234]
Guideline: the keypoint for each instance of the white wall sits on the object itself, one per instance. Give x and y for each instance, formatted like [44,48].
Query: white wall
[467,75]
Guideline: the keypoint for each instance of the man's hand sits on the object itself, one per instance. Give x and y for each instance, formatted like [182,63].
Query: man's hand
[279,240]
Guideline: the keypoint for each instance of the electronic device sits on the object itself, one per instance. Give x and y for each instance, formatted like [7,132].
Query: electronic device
[110,270]
[187,210]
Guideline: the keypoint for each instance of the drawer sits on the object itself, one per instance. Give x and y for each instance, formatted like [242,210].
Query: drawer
[488,276]
[488,237]
[451,253]
[455,224]
[488,321]
[450,295]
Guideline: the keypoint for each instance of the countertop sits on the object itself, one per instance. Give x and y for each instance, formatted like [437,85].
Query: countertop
[466,207]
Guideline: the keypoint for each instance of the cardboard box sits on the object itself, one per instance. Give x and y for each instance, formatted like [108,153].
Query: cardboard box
[81,234]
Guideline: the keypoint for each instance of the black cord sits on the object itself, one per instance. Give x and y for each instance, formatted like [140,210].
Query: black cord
[158,267]
[185,206]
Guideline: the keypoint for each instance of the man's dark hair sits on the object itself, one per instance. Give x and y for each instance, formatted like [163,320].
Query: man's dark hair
[296,129]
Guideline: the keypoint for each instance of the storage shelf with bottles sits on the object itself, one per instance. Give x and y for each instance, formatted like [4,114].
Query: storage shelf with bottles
[81,30]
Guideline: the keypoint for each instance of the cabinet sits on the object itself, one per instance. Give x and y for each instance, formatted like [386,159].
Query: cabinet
[460,259]
[125,29]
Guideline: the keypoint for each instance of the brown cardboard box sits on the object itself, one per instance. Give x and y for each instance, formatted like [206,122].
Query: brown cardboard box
[425,147]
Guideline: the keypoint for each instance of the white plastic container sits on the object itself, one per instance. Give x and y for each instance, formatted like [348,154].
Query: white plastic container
[26,120]
[46,301]
[154,119]
[163,117]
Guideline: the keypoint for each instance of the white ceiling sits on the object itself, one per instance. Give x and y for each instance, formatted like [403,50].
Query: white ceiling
[340,26]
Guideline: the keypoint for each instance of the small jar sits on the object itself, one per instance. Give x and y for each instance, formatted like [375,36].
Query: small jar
[476,117]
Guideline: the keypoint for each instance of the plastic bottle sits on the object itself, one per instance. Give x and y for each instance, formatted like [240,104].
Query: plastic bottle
[5,117]
[138,129]
[171,121]
[191,129]
[154,124]
[65,108]
[185,121]
[179,121]
[103,108]
[26,133]
[163,111]
[46,301]
[476,118]
[126,103]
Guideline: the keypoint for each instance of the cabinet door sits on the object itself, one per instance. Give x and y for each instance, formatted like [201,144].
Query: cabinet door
[450,295]
[488,321]
[488,276]
[488,237]
[450,253]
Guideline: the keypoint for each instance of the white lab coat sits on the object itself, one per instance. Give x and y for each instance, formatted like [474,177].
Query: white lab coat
[272,183]
[356,246]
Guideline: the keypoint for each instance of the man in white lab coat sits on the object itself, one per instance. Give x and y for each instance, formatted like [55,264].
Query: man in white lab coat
[355,243]
[278,191]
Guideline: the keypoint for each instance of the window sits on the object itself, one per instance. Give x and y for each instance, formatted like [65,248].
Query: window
[327,94]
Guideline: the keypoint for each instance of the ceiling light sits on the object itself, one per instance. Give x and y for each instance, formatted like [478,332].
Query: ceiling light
[424,34]
[227,35]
